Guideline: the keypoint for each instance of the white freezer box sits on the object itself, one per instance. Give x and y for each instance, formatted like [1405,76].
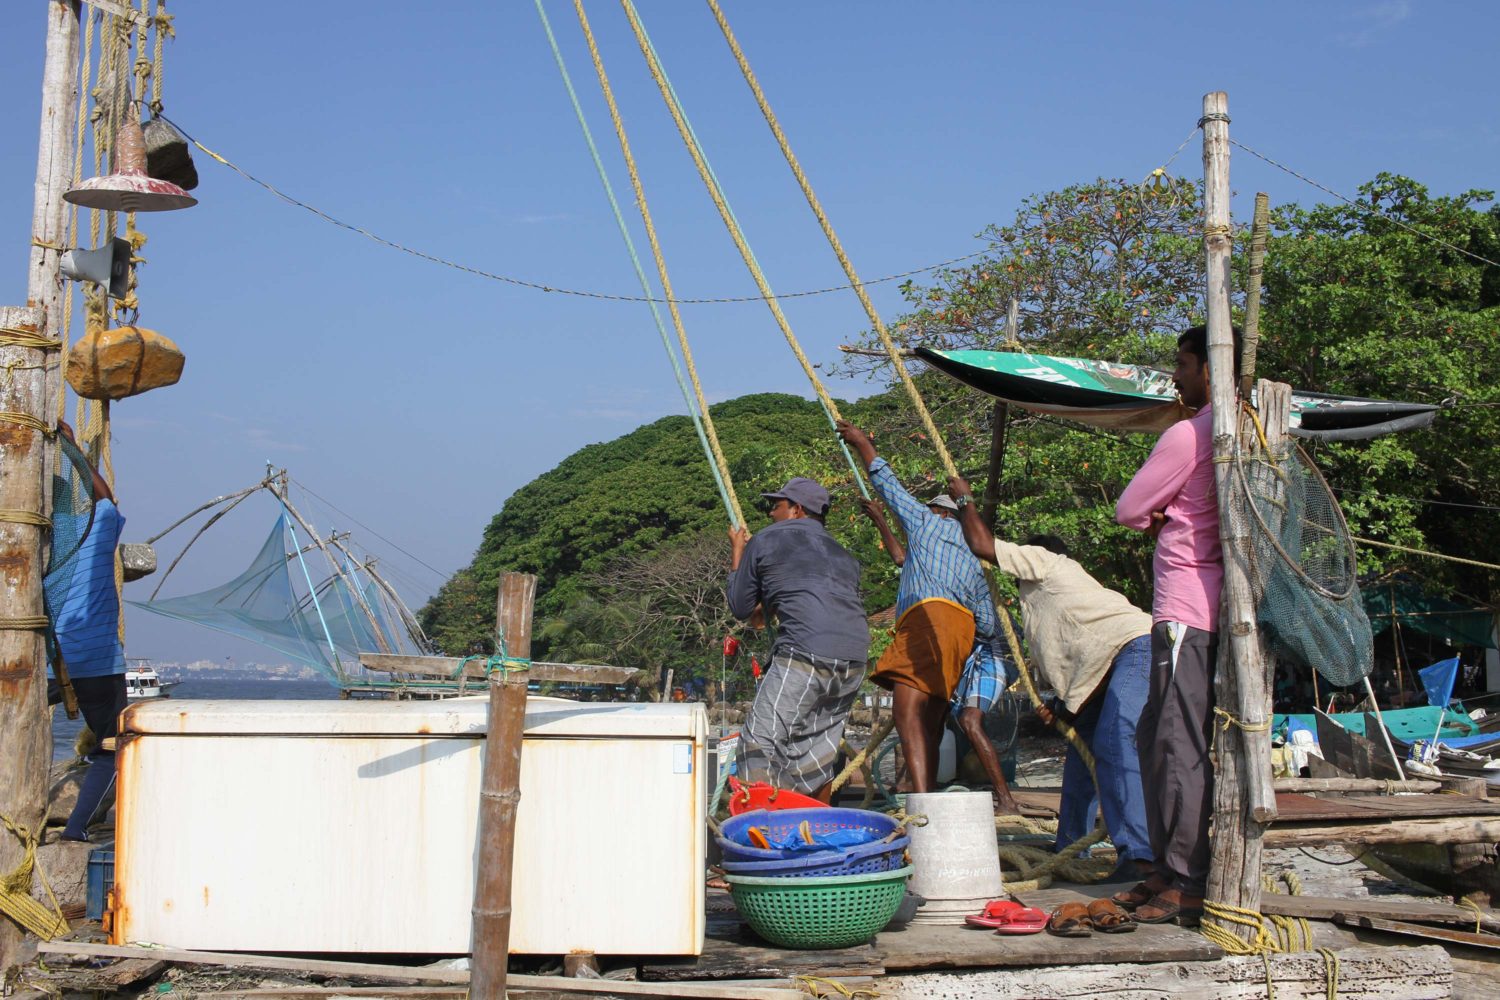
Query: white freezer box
[351,826]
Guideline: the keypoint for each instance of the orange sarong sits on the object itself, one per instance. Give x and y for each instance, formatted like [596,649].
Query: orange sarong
[933,639]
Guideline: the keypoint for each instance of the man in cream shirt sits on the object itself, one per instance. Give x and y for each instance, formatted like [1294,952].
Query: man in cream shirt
[1093,647]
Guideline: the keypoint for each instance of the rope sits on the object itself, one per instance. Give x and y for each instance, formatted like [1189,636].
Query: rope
[537,285]
[697,405]
[15,890]
[1038,867]
[1468,903]
[15,336]
[1426,552]
[933,434]
[26,420]
[1363,208]
[162,23]
[716,192]
[821,986]
[858,762]
[1231,720]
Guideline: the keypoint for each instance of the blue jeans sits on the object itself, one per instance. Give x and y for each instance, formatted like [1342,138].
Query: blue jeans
[1107,725]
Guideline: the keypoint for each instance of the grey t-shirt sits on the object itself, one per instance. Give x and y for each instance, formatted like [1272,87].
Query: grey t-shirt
[795,568]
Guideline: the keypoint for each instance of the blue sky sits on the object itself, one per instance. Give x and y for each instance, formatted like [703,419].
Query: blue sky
[417,398]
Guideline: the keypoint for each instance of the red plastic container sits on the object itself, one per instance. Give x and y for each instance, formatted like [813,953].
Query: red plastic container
[759,795]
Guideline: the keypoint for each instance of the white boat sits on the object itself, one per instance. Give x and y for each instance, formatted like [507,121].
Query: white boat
[142,681]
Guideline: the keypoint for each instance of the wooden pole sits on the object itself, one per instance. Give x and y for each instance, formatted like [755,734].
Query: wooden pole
[1244,800]
[500,793]
[999,421]
[25,722]
[1259,230]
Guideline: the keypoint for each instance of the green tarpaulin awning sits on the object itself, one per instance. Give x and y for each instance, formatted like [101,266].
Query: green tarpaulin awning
[1437,616]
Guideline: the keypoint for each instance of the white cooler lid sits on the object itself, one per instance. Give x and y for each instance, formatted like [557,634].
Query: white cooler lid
[450,717]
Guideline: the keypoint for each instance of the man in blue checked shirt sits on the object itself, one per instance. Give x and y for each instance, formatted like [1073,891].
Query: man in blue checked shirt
[942,608]
[987,672]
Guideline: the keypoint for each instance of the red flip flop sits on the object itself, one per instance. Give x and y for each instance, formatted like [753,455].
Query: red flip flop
[1026,920]
[995,913]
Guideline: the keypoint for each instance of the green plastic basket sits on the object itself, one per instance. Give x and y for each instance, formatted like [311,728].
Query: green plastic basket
[835,911]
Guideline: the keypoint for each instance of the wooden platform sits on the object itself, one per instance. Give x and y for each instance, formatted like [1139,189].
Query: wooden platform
[732,951]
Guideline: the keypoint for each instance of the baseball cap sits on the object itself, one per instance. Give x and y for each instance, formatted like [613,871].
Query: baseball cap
[945,501]
[809,494]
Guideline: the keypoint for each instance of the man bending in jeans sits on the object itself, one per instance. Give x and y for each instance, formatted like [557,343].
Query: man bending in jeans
[796,571]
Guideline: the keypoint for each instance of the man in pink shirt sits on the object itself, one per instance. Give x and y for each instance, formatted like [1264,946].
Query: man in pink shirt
[1173,497]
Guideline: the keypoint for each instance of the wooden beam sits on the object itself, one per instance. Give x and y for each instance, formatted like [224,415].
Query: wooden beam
[447,667]
[1458,830]
[1328,907]
[1371,973]
[1307,785]
[1260,227]
[416,974]
[1442,934]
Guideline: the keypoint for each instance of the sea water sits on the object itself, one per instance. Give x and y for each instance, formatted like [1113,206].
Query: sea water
[65,730]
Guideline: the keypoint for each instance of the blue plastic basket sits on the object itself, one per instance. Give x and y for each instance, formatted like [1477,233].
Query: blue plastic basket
[781,822]
[866,859]
[101,878]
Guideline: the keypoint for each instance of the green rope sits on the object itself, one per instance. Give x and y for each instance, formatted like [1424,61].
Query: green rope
[692,135]
[640,271]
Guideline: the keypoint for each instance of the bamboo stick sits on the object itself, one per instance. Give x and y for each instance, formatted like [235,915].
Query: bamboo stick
[500,792]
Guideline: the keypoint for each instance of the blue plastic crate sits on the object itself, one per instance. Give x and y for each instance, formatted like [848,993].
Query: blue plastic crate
[101,880]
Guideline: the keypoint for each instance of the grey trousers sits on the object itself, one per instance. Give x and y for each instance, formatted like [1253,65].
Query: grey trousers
[1173,740]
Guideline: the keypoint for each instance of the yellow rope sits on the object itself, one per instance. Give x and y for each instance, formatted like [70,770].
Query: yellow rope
[162,24]
[933,434]
[1478,913]
[15,336]
[661,263]
[858,762]
[26,420]
[1038,866]
[1230,719]
[1425,552]
[14,516]
[821,986]
[761,284]
[15,890]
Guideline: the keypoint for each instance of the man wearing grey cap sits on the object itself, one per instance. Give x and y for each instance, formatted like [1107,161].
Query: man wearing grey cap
[794,570]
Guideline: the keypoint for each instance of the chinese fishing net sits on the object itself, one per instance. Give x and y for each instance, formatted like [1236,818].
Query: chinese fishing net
[263,604]
[1302,569]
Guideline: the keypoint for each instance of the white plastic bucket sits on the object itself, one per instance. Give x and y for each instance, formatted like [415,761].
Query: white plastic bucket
[955,856]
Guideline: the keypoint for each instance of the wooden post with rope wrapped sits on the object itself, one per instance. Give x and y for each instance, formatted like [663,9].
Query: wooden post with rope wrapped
[28,346]
[1244,798]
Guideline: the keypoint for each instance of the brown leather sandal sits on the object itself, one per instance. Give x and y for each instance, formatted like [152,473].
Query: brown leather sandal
[1070,920]
[1138,895]
[1108,918]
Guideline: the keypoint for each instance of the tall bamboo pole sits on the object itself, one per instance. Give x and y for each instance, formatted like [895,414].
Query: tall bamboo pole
[25,724]
[999,422]
[1260,227]
[500,793]
[1244,798]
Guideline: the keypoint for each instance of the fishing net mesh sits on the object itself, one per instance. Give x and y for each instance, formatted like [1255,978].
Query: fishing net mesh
[1302,569]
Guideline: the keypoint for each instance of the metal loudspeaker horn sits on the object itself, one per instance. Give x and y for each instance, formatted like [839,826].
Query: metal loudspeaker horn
[109,265]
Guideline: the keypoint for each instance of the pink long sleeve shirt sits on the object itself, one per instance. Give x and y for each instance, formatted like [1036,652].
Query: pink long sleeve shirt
[1178,478]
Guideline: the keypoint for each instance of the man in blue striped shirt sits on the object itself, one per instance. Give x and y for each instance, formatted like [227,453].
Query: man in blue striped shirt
[942,608]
